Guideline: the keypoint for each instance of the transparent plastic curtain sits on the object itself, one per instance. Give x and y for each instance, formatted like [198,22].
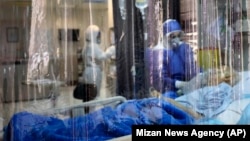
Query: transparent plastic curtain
[223,43]
[60,47]
[14,43]
[223,35]
[155,34]
[43,68]
[56,47]
[33,66]
[217,31]
[226,25]
[52,34]
[133,30]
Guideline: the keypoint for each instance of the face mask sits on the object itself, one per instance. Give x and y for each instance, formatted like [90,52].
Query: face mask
[175,42]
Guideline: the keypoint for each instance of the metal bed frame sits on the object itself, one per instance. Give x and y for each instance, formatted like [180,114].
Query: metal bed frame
[80,109]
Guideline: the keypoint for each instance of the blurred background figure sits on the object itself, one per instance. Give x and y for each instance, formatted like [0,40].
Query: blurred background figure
[111,64]
[111,70]
[93,57]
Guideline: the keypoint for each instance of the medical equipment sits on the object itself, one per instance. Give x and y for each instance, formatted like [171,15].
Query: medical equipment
[122,6]
[142,4]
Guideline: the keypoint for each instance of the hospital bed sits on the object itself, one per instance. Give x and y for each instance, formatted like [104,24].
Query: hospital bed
[75,110]
[145,111]
[79,109]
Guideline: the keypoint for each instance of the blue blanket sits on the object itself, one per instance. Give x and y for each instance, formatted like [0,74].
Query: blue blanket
[103,124]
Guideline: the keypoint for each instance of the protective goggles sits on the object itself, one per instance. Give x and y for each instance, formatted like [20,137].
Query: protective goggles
[174,35]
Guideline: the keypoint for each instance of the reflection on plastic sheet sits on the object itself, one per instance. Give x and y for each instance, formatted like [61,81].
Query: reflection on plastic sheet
[165,64]
[39,65]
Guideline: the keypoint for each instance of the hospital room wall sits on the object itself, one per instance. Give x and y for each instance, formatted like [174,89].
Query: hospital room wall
[14,37]
[19,14]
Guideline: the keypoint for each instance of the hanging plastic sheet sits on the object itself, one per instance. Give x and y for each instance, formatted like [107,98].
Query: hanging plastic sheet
[151,62]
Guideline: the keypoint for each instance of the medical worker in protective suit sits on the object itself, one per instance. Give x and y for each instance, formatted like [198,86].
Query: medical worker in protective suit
[93,57]
[178,64]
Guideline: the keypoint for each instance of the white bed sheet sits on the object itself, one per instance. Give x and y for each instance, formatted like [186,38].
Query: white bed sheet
[240,99]
[234,111]
[241,93]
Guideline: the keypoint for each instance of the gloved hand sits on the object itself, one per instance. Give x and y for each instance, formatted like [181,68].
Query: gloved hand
[197,82]
[180,84]
[110,52]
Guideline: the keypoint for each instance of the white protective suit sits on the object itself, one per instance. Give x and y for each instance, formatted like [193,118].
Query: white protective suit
[93,57]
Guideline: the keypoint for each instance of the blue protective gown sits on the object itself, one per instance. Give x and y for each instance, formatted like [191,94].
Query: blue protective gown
[168,65]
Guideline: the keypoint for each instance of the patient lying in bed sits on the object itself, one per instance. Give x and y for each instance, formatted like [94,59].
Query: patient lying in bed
[210,100]
[103,124]
[108,123]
